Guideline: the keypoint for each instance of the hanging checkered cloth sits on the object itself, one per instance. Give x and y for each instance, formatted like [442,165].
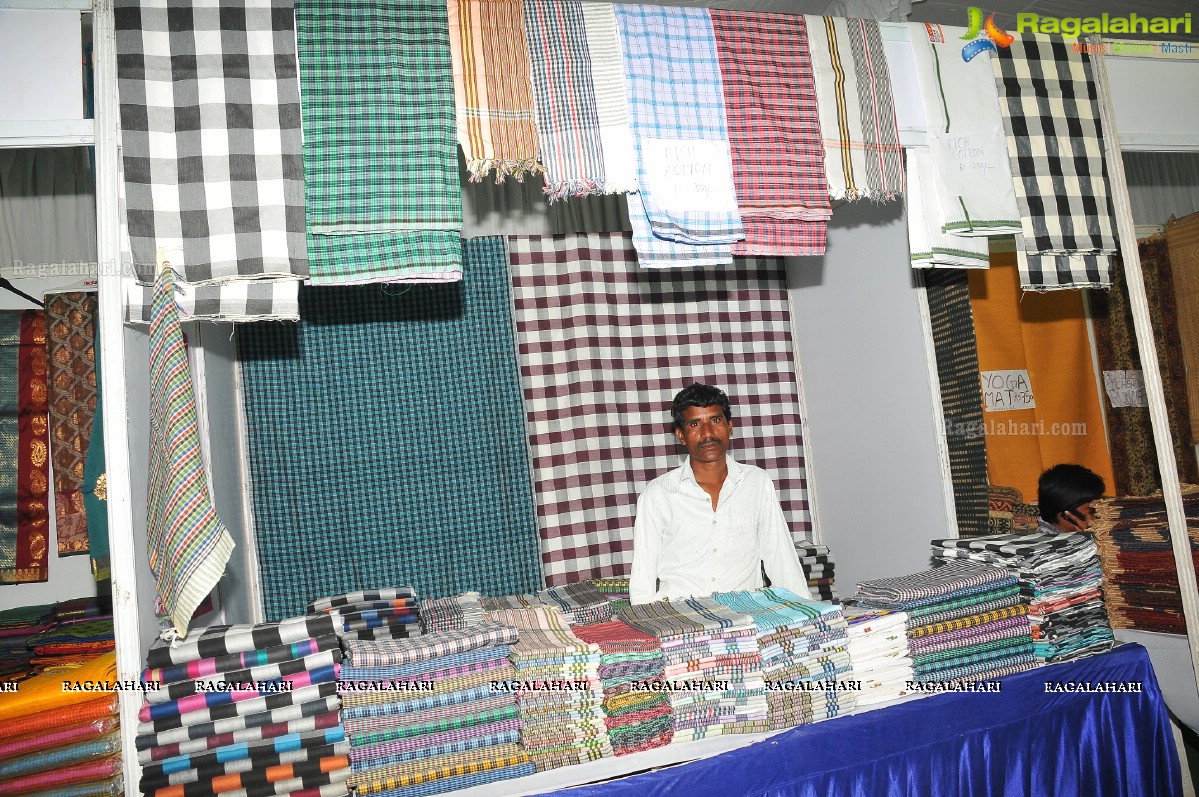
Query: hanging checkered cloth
[188,544]
[774,132]
[493,90]
[677,114]
[383,201]
[210,139]
[643,337]
[1055,143]
[611,97]
[567,122]
[857,111]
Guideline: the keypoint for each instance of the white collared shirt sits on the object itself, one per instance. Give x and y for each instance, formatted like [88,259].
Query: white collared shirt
[683,548]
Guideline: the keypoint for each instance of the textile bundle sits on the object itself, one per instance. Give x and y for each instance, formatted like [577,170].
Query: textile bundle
[425,347]
[774,132]
[212,170]
[53,738]
[626,343]
[857,111]
[390,613]
[383,201]
[965,620]
[805,659]
[70,333]
[55,639]
[559,691]
[453,613]
[1055,146]
[966,179]
[1140,579]
[1007,512]
[432,714]
[878,649]
[636,710]
[581,603]
[1059,582]
[24,442]
[246,708]
[818,565]
[929,246]
[712,666]
[616,590]
[677,115]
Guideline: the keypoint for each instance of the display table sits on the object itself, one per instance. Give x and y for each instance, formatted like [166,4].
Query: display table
[1023,740]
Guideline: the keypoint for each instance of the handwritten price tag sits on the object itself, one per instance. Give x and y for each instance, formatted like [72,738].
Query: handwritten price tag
[689,174]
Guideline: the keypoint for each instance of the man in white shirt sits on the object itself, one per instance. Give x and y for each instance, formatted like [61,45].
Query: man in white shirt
[711,524]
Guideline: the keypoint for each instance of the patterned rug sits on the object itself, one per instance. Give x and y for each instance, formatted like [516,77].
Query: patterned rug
[385,430]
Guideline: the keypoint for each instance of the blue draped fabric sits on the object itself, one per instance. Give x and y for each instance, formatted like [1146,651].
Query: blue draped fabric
[386,440]
[1024,741]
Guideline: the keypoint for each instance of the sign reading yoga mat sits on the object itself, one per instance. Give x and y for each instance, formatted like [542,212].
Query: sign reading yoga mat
[386,439]
[1006,390]
[603,348]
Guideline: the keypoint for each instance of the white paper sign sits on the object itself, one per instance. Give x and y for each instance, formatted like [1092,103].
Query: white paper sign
[1125,388]
[971,157]
[1006,390]
[689,174]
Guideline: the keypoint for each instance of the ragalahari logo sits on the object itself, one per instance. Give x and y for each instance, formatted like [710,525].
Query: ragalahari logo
[996,36]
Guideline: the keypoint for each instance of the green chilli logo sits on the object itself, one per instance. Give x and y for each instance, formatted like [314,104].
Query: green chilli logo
[995,34]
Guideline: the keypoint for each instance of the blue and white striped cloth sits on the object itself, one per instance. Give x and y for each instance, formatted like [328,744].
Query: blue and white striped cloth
[675,95]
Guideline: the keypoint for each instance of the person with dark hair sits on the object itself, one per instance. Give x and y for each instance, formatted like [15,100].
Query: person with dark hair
[1064,496]
[712,524]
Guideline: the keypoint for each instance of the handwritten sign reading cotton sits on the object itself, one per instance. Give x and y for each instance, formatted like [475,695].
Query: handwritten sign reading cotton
[689,174]
[1125,388]
[1006,390]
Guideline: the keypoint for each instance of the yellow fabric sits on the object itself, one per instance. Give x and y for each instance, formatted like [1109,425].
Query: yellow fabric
[1045,334]
[45,692]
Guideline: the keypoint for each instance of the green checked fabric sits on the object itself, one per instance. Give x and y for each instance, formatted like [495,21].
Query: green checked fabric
[969,654]
[961,603]
[450,723]
[356,417]
[380,141]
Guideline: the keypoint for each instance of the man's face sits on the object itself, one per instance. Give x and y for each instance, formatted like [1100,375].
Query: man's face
[705,433]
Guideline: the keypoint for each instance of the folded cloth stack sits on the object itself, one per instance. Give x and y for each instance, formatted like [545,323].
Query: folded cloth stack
[373,614]
[432,714]
[452,613]
[713,669]
[616,590]
[817,561]
[71,642]
[966,620]
[581,603]
[59,741]
[878,648]
[805,661]
[1140,579]
[636,707]
[17,626]
[1060,581]
[245,708]
[558,689]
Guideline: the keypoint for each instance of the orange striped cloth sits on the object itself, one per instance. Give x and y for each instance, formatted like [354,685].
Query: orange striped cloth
[493,88]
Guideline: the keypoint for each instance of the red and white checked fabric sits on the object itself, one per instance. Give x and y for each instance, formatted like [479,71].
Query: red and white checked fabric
[774,132]
[603,348]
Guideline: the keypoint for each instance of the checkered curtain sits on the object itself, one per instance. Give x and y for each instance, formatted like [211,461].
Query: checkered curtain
[210,136]
[603,348]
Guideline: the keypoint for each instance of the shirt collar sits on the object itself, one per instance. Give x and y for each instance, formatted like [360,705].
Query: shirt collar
[736,469]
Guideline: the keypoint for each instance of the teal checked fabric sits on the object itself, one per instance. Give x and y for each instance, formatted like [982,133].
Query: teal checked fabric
[188,544]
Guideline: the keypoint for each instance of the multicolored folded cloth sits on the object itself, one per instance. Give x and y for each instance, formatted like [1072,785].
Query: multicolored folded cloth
[677,115]
[67,755]
[1050,111]
[493,89]
[389,595]
[221,703]
[148,736]
[288,672]
[581,602]
[383,201]
[235,662]
[968,621]
[774,132]
[457,782]
[254,706]
[254,751]
[293,763]
[857,111]
[80,773]
[229,639]
[430,646]
[437,744]
[568,125]
[149,751]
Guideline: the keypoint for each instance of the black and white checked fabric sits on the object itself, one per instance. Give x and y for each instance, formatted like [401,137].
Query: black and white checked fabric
[278,707]
[361,596]
[1048,100]
[226,639]
[603,348]
[262,673]
[430,646]
[212,169]
[950,577]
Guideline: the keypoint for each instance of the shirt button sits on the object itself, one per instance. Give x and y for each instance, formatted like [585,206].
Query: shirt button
[713,550]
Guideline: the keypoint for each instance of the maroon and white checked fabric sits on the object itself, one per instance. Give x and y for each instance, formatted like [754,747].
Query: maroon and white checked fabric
[603,348]
[774,132]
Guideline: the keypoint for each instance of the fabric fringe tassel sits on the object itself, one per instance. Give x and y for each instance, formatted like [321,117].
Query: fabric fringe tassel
[564,189]
[517,169]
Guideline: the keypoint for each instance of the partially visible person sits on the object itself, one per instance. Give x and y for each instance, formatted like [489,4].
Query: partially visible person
[712,524]
[1064,496]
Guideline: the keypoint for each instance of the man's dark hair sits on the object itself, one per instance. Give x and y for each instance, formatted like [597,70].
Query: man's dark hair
[1065,487]
[697,395]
